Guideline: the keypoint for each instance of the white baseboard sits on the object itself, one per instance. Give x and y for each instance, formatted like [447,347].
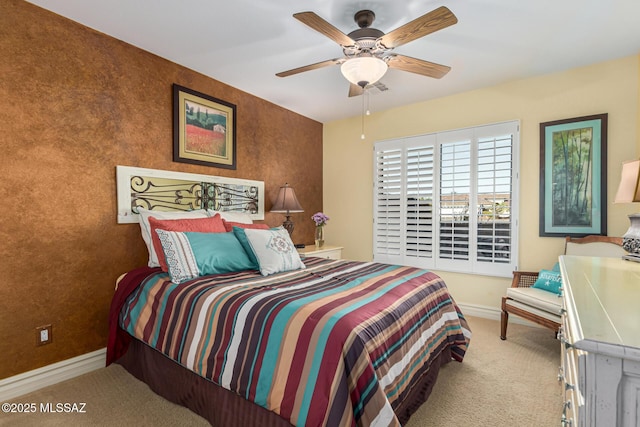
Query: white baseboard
[51,374]
[491,313]
[480,311]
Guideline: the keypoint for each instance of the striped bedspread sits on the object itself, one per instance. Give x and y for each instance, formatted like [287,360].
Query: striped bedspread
[338,343]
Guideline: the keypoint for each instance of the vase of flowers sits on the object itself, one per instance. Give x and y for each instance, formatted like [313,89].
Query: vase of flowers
[320,219]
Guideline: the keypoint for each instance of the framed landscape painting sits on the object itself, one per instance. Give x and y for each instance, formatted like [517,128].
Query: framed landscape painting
[204,129]
[573,177]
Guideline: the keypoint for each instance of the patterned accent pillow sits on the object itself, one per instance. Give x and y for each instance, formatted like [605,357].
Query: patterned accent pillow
[145,228]
[274,250]
[212,224]
[192,254]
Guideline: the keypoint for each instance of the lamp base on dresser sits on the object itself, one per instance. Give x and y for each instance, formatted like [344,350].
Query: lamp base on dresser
[632,257]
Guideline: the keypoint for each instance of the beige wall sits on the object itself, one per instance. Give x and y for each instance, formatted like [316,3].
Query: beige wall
[610,87]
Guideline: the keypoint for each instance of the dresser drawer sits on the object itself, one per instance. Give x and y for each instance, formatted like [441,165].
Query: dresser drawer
[332,254]
[570,409]
[329,252]
[571,358]
[573,401]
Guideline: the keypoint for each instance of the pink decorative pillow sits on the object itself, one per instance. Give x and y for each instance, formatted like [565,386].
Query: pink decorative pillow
[213,224]
[228,225]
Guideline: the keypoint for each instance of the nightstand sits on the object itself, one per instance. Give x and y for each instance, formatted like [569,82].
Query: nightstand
[326,251]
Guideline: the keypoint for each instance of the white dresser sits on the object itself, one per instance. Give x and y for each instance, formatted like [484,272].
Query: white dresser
[600,337]
[326,251]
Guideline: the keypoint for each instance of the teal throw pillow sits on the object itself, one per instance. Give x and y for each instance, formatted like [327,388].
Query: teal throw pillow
[192,254]
[548,280]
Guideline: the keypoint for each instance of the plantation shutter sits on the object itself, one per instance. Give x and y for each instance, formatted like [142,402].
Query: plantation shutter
[387,211]
[420,207]
[494,198]
[455,182]
[447,200]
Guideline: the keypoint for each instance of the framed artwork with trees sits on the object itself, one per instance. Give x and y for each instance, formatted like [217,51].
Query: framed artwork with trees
[204,129]
[573,177]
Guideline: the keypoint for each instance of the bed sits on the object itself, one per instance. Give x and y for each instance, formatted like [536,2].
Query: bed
[337,343]
[275,340]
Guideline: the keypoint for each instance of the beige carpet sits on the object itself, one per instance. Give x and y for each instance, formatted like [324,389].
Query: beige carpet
[500,383]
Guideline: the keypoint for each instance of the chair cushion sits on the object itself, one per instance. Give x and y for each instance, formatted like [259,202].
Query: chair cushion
[537,298]
[529,309]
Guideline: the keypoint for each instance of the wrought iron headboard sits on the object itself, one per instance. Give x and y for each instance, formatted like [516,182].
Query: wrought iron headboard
[155,189]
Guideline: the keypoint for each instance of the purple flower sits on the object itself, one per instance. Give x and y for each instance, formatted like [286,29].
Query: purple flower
[319,218]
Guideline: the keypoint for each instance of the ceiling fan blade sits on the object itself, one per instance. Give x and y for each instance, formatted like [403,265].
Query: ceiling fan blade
[417,66]
[355,90]
[428,23]
[323,27]
[310,67]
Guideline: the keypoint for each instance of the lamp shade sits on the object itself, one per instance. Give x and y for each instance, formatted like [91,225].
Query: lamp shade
[629,188]
[286,202]
[363,70]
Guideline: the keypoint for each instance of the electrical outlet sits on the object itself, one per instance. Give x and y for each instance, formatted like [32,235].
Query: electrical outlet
[44,335]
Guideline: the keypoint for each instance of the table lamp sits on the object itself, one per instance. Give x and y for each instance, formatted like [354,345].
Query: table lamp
[287,203]
[629,192]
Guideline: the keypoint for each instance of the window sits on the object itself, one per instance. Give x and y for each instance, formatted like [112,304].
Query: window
[448,200]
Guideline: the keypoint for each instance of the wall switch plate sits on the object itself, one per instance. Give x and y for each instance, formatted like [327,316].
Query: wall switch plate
[44,335]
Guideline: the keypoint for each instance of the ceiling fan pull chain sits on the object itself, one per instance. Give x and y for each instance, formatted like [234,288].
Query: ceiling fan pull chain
[363,113]
[367,112]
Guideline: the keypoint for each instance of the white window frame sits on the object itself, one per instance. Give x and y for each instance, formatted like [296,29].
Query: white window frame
[398,253]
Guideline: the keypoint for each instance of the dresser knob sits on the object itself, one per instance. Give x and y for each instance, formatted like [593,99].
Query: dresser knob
[566,343]
[566,422]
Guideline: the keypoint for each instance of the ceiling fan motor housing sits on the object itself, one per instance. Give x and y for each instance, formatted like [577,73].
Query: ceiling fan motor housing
[364,18]
[364,37]
[365,41]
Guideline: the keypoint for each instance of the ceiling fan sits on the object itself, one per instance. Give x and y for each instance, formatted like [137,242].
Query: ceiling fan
[368,51]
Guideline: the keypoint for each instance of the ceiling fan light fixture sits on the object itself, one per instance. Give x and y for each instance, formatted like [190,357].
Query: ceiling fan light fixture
[363,70]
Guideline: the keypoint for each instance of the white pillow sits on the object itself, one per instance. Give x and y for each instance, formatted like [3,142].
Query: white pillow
[274,250]
[241,217]
[145,229]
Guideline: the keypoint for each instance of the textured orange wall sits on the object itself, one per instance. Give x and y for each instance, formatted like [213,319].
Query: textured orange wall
[74,103]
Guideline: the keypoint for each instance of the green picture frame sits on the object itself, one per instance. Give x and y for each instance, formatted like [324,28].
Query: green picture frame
[204,129]
[573,177]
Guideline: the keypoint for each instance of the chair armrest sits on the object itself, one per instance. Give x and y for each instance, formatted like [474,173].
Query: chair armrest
[524,279]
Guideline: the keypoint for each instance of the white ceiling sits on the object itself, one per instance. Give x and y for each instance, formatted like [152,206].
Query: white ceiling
[244,43]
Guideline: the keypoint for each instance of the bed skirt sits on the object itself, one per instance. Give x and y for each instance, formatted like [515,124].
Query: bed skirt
[223,408]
